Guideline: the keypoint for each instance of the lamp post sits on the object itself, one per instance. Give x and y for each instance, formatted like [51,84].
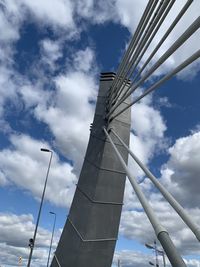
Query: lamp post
[32,240]
[163,255]
[157,251]
[54,223]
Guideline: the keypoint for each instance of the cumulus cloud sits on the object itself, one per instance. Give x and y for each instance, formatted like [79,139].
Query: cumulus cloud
[5,82]
[181,173]
[180,177]
[51,52]
[72,109]
[148,128]
[44,12]
[58,109]
[125,9]
[129,258]
[21,164]
[10,33]
[97,12]
[146,140]
[33,96]
[71,112]
[135,225]
[84,59]
[15,245]
[3,180]
[10,22]
[47,11]
[69,105]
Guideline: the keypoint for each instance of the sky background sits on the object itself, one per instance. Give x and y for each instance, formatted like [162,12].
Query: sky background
[51,55]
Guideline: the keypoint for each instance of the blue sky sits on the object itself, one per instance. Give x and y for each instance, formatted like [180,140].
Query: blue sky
[51,54]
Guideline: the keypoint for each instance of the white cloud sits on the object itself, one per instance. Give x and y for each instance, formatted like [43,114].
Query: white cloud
[180,174]
[51,52]
[47,12]
[97,12]
[25,166]
[70,113]
[57,109]
[70,12]
[126,8]
[7,29]
[8,92]
[148,127]
[147,121]
[129,258]
[19,226]
[148,136]
[136,226]
[180,177]
[83,60]
[15,245]
[3,180]
[33,95]
[146,139]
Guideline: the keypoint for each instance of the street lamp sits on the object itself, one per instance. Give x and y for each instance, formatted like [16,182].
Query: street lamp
[155,248]
[53,213]
[32,240]
[157,251]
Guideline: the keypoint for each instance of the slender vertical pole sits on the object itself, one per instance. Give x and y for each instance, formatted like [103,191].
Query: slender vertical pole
[164,263]
[51,237]
[39,212]
[156,253]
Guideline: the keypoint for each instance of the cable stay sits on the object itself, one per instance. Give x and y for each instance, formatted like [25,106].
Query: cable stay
[171,200]
[122,86]
[161,233]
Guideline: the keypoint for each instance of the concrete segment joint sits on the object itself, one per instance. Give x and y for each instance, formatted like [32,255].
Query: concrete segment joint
[104,169]
[98,201]
[90,240]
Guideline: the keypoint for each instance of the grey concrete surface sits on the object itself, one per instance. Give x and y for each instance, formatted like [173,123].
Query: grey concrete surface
[90,233]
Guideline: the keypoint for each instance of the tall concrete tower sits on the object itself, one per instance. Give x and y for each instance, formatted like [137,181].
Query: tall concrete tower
[90,233]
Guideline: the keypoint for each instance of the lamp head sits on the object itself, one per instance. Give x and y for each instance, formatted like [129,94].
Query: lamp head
[149,246]
[151,263]
[45,150]
[51,212]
